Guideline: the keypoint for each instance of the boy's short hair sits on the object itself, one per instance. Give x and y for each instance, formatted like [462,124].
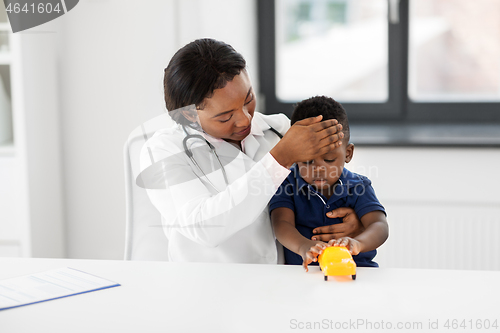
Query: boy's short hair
[325,106]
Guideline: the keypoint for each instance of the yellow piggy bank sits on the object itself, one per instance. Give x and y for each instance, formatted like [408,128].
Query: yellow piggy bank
[336,260]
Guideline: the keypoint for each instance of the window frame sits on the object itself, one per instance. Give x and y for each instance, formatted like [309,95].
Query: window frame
[399,109]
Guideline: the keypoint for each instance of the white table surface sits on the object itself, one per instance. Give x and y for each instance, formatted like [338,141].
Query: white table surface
[190,297]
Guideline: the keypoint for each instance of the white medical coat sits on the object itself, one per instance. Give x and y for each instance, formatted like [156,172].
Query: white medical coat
[225,223]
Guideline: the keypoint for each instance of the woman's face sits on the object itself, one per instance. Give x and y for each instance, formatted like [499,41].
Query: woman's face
[228,113]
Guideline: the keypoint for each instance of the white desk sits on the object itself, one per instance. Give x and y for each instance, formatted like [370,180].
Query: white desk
[174,297]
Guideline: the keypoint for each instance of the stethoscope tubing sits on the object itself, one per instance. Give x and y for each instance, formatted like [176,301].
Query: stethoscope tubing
[189,153]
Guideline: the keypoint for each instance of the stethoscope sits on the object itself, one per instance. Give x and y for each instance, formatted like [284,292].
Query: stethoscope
[189,153]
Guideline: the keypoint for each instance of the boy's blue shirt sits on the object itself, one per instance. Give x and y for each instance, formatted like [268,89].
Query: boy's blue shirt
[310,207]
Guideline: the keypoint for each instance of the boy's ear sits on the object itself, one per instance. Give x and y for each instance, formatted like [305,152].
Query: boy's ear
[349,151]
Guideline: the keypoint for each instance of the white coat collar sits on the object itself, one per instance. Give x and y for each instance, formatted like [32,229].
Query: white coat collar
[250,143]
[259,125]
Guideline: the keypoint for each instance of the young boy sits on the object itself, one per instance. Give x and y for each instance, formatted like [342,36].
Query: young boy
[316,187]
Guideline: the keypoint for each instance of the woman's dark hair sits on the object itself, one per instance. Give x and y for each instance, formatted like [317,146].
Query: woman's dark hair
[325,106]
[196,71]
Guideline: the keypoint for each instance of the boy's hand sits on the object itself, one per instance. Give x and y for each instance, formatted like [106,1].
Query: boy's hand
[310,252]
[351,226]
[353,245]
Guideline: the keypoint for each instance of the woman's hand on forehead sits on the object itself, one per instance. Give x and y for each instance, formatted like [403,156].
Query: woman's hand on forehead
[307,140]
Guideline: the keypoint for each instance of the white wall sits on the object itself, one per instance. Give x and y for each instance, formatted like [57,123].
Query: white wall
[42,138]
[31,208]
[443,205]
[111,58]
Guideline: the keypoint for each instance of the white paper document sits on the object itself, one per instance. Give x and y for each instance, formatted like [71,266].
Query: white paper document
[48,285]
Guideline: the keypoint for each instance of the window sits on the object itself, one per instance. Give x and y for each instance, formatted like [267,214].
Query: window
[454,51]
[310,34]
[388,62]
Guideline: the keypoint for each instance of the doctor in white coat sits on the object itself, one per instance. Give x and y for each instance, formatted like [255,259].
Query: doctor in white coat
[215,171]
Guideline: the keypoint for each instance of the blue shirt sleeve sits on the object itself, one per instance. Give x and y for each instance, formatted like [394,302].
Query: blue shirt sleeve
[283,196]
[366,200]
